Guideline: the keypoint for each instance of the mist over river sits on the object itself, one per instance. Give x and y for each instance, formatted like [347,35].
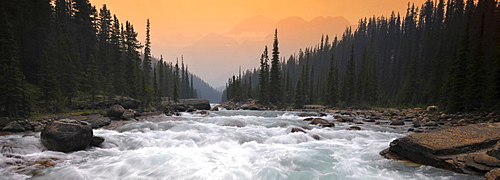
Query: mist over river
[222,145]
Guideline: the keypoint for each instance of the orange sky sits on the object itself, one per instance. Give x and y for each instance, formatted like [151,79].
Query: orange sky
[200,17]
[179,23]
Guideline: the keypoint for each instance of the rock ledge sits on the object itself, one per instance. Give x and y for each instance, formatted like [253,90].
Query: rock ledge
[461,149]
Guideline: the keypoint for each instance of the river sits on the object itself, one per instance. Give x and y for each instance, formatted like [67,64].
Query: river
[221,145]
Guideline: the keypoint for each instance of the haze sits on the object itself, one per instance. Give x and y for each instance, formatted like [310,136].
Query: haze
[216,37]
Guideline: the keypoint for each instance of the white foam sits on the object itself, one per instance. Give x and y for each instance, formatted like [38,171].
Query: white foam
[228,145]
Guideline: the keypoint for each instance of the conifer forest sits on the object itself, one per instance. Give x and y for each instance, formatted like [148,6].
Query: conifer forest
[444,53]
[55,54]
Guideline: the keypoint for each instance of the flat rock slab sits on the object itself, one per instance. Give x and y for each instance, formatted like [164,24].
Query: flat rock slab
[461,149]
[200,104]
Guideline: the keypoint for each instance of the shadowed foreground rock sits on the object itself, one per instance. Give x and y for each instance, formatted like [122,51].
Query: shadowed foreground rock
[67,135]
[462,149]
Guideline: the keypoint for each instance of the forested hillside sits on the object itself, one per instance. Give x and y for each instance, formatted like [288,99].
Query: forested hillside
[441,53]
[58,53]
[199,88]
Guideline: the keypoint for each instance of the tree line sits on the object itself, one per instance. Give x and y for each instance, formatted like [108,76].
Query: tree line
[56,51]
[441,53]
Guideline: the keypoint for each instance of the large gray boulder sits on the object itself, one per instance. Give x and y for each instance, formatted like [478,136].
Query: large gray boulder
[67,135]
[199,104]
[115,111]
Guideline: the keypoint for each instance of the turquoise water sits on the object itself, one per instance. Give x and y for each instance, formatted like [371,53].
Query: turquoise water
[224,145]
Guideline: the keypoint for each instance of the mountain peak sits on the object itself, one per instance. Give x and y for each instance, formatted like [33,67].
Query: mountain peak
[256,24]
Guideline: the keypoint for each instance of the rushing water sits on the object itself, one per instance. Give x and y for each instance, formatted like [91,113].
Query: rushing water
[221,145]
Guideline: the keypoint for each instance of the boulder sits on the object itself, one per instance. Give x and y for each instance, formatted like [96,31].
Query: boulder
[344,119]
[14,126]
[431,123]
[66,135]
[308,119]
[322,122]
[307,114]
[316,137]
[398,122]
[462,149]
[199,104]
[96,141]
[97,121]
[432,109]
[116,111]
[294,130]
[356,128]
[129,103]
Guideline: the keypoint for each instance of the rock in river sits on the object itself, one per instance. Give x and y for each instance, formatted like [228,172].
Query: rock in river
[67,135]
[464,149]
[322,122]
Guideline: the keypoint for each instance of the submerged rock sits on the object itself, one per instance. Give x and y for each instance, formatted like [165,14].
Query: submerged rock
[294,130]
[462,149]
[357,128]
[96,141]
[322,122]
[67,136]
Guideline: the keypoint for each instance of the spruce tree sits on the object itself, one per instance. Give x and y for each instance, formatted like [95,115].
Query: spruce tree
[348,91]
[146,62]
[275,91]
[175,90]
[264,78]
[332,88]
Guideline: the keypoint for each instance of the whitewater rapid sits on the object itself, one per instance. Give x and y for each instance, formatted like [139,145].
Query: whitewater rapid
[221,145]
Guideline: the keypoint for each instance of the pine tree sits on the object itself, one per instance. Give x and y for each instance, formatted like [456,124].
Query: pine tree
[132,61]
[146,62]
[332,88]
[264,78]
[175,90]
[117,59]
[348,91]
[275,91]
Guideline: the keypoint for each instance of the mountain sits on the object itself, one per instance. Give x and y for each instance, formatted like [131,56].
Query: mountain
[218,56]
[252,29]
[204,90]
